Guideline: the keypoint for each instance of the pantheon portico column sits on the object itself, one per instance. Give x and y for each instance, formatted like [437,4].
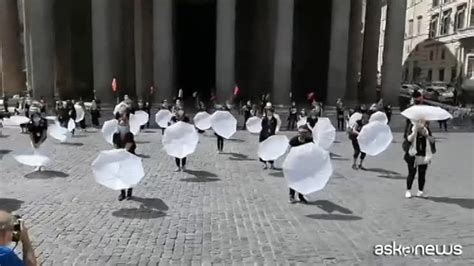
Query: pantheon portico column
[41,47]
[225,48]
[106,47]
[337,74]
[355,51]
[143,32]
[163,51]
[370,51]
[282,64]
[393,50]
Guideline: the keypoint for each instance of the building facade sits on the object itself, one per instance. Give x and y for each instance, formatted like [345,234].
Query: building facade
[438,45]
[74,48]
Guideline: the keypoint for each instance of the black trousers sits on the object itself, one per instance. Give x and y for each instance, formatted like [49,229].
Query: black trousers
[412,169]
[443,124]
[356,147]
[95,120]
[291,123]
[292,195]
[340,124]
[220,143]
[129,192]
[246,117]
[180,162]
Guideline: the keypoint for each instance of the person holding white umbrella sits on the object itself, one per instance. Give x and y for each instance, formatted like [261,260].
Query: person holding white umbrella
[354,132]
[37,129]
[419,148]
[303,137]
[269,127]
[123,139]
[180,116]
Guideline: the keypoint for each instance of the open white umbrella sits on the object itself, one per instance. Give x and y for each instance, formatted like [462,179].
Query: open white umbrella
[108,130]
[307,168]
[52,118]
[202,120]
[117,169]
[71,125]
[58,132]
[79,113]
[15,120]
[374,138]
[37,158]
[120,108]
[140,116]
[324,133]
[224,124]
[273,147]
[379,116]
[180,140]
[254,124]
[354,118]
[426,112]
[302,122]
[163,117]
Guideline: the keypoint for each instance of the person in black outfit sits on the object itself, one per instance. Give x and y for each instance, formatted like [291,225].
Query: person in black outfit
[71,113]
[340,115]
[147,109]
[355,144]
[247,109]
[220,140]
[164,106]
[312,119]
[388,112]
[269,125]
[63,115]
[304,136]
[419,146]
[123,139]
[95,113]
[180,116]
[292,116]
[38,130]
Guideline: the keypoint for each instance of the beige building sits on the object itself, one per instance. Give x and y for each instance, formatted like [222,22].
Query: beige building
[439,42]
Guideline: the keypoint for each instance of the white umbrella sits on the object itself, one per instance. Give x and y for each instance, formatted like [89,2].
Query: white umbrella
[58,132]
[254,124]
[71,125]
[324,133]
[374,138]
[307,168]
[52,118]
[15,120]
[36,159]
[273,147]
[79,113]
[302,122]
[141,117]
[117,169]
[120,108]
[426,112]
[163,117]
[180,140]
[202,120]
[379,116]
[224,124]
[278,125]
[108,130]
[354,118]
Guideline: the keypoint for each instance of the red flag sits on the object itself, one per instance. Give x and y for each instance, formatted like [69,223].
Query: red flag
[152,89]
[114,85]
[311,96]
[236,90]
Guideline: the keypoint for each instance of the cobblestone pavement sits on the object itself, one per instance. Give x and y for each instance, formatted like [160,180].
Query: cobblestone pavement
[227,210]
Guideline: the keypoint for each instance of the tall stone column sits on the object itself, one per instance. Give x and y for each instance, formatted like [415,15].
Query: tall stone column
[13,75]
[282,63]
[337,74]
[41,47]
[63,44]
[225,49]
[393,50]
[106,47]
[163,50]
[355,51]
[143,47]
[370,51]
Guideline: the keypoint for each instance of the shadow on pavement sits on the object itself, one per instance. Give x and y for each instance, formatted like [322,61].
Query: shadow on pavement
[399,177]
[148,131]
[46,174]
[235,140]
[237,156]
[277,174]
[4,136]
[200,173]
[4,152]
[382,171]
[330,207]
[152,203]
[79,136]
[463,203]
[10,205]
[198,179]
[142,142]
[144,156]
[72,143]
[335,217]
[337,157]
[138,213]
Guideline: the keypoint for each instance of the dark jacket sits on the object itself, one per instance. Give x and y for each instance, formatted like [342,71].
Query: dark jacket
[268,128]
[120,143]
[295,141]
